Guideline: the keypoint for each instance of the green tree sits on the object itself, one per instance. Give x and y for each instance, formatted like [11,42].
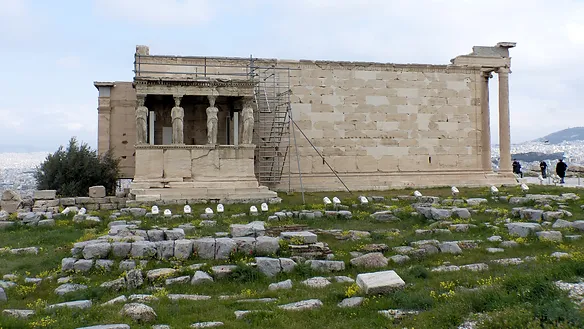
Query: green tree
[73,170]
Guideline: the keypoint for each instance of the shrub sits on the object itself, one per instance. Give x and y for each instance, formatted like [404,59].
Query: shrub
[73,170]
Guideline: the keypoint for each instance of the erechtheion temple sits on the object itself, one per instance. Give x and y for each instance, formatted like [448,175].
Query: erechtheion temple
[241,128]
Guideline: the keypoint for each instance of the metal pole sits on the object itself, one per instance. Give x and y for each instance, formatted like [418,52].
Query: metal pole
[323,159]
[289,139]
[297,158]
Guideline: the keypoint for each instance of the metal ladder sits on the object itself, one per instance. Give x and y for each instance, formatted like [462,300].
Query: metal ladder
[272,97]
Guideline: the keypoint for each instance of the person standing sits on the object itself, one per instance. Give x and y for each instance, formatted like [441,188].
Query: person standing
[517,168]
[561,168]
[543,167]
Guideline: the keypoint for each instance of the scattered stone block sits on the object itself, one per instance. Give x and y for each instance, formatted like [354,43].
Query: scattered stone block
[78,304]
[97,192]
[204,248]
[212,324]
[450,248]
[97,250]
[253,229]
[351,302]
[280,285]
[83,265]
[183,249]
[178,280]
[222,271]
[379,282]
[115,285]
[326,265]
[316,282]
[139,312]
[44,195]
[108,326]
[371,260]
[399,259]
[160,273]
[268,266]
[302,305]
[201,277]
[302,236]
[134,279]
[550,236]
[532,215]
[523,229]
[224,247]
[19,314]
[267,245]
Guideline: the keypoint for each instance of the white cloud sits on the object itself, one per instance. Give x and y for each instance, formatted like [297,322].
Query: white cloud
[157,12]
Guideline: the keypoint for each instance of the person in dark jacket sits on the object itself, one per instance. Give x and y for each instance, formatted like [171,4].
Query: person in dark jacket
[517,168]
[561,168]
[543,167]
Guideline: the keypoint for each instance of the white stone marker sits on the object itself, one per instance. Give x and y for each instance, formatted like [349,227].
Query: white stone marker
[494,190]
[336,200]
[264,207]
[379,282]
[208,211]
[220,208]
[417,194]
[363,200]
[253,210]
[524,187]
[155,210]
[187,209]
[82,211]
[167,213]
[455,191]
[326,201]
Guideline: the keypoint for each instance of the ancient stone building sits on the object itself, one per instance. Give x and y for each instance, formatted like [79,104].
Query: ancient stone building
[229,128]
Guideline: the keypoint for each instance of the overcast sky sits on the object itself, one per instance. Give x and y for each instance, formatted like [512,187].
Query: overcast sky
[52,51]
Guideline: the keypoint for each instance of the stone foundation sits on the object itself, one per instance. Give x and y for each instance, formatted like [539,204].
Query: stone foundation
[196,173]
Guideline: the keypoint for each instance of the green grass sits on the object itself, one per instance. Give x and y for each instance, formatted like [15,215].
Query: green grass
[516,296]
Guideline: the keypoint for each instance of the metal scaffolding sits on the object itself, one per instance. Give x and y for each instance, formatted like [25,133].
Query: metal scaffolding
[272,121]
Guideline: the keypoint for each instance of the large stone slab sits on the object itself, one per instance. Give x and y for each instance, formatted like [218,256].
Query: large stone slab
[302,305]
[108,326]
[379,282]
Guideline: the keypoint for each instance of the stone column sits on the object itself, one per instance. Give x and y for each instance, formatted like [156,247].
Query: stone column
[212,120]
[177,114]
[104,123]
[504,121]
[485,122]
[247,115]
[141,120]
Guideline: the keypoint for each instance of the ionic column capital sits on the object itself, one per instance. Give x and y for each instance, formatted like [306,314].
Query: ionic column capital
[503,70]
[487,74]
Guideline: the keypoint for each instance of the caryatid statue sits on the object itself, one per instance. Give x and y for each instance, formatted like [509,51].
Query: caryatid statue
[212,121]
[141,121]
[248,121]
[177,115]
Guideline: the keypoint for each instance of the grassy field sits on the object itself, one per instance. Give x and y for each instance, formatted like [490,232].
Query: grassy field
[514,296]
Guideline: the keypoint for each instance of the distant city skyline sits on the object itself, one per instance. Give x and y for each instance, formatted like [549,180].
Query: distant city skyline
[53,51]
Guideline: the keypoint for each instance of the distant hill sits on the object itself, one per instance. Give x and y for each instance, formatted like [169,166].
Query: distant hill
[570,134]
